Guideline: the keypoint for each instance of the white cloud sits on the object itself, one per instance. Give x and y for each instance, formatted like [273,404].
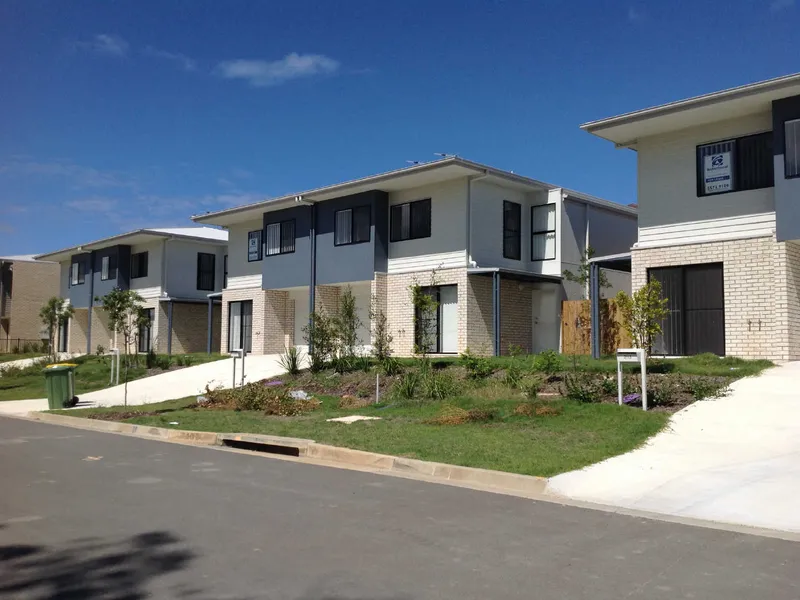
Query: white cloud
[105,43]
[78,175]
[93,205]
[183,61]
[634,14]
[779,5]
[262,73]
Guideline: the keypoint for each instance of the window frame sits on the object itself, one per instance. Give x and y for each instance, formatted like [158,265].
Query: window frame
[352,210]
[260,234]
[78,278]
[535,232]
[411,235]
[111,270]
[225,271]
[213,256]
[508,233]
[735,171]
[146,263]
[281,225]
[785,154]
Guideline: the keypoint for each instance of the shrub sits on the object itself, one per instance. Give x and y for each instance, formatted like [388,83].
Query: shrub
[290,360]
[513,376]
[609,386]
[151,360]
[362,363]
[531,387]
[478,367]
[547,362]
[657,365]
[320,334]
[582,387]
[382,335]
[703,388]
[346,324]
[662,392]
[272,400]
[406,386]
[437,385]
[163,362]
[481,415]
[100,350]
[389,366]
[183,360]
[348,402]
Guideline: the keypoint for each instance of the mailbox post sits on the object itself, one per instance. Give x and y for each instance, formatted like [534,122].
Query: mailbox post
[236,354]
[632,355]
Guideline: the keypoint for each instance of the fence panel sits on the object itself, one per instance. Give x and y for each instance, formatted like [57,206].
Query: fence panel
[576,328]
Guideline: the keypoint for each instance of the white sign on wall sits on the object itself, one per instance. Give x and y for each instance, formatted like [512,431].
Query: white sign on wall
[717,173]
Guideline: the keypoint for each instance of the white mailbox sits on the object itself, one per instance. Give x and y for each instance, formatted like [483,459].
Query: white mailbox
[237,355]
[632,355]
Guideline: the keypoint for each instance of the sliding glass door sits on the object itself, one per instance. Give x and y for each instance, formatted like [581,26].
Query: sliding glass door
[240,325]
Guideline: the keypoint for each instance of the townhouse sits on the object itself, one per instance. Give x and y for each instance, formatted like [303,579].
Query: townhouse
[719,216]
[25,286]
[174,270]
[490,245]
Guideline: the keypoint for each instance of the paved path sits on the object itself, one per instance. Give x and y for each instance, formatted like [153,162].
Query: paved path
[90,515]
[167,386]
[735,459]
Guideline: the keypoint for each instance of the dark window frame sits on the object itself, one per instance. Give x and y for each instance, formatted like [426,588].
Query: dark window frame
[201,273]
[412,235]
[260,233]
[737,164]
[511,234]
[139,259]
[785,153]
[225,271]
[245,335]
[81,278]
[145,332]
[353,240]
[535,232]
[281,249]
[112,267]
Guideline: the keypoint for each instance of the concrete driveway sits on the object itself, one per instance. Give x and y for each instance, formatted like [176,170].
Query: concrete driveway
[734,460]
[167,386]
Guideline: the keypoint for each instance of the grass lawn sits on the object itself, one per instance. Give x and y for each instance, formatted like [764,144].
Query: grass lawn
[92,373]
[11,356]
[580,435]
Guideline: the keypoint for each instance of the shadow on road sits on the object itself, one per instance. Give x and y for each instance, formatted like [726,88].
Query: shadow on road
[91,568]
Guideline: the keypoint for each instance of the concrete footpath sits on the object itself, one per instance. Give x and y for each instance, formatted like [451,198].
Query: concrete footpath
[167,386]
[734,460]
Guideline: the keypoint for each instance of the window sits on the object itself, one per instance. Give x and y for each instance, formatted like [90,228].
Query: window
[791,150]
[411,221]
[512,230]
[108,267]
[205,271]
[146,331]
[352,225]
[736,165]
[77,273]
[543,232]
[254,246]
[240,325]
[225,271]
[280,238]
[138,265]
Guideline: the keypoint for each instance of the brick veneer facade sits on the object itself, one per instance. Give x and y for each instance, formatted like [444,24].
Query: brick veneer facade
[761,282]
[32,284]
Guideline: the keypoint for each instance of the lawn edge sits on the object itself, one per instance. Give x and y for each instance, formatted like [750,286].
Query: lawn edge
[309,449]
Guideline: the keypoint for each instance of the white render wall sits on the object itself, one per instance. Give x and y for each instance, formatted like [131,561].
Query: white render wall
[182,268]
[150,286]
[667,172]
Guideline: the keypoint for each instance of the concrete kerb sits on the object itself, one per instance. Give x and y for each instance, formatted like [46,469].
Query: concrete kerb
[497,480]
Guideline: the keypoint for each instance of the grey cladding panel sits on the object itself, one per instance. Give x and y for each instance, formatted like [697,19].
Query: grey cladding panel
[787,191]
[610,232]
[292,269]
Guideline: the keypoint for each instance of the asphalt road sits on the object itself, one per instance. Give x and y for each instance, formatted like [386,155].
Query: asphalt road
[90,515]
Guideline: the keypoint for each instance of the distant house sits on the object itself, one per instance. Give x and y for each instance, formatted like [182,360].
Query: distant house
[497,241]
[719,216]
[25,285]
[173,270]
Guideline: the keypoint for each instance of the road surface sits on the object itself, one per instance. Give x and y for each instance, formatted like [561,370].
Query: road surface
[91,515]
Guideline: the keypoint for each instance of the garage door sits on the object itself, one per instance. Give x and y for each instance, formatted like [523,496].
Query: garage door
[695,300]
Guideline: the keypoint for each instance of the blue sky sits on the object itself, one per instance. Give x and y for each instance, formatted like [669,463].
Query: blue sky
[126,114]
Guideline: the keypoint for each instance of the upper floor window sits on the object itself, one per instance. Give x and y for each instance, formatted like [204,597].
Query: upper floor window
[735,165]
[255,248]
[543,232]
[77,273]
[280,238]
[410,221]
[108,267]
[139,265]
[791,151]
[512,230]
[352,225]
[205,271]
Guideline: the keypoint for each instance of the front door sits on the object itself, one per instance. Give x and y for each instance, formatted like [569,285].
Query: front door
[240,325]
[441,327]
[546,319]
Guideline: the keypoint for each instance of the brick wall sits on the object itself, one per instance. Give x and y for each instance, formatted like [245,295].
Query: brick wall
[278,322]
[190,327]
[378,298]
[101,332]
[480,329]
[516,315]
[33,284]
[761,284]
[326,299]
[78,326]
[258,296]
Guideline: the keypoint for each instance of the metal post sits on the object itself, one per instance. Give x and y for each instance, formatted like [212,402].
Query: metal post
[594,297]
[377,387]
[210,324]
[169,328]
[496,311]
[244,353]
[644,380]
[619,382]
[234,370]
[312,279]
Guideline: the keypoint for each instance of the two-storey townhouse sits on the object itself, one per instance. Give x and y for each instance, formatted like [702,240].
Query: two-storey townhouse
[490,245]
[25,285]
[719,216]
[174,270]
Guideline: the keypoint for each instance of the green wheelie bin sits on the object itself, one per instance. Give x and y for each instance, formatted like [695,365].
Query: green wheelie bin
[59,380]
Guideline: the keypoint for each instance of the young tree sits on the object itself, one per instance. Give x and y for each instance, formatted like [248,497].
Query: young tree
[347,323]
[581,276]
[125,316]
[643,313]
[320,335]
[426,309]
[382,335]
[55,312]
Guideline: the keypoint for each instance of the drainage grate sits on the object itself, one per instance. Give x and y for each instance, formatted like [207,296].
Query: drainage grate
[261,447]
